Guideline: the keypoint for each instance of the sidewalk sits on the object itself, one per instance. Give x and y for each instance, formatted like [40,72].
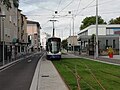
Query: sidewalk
[114,57]
[10,62]
[46,77]
[19,56]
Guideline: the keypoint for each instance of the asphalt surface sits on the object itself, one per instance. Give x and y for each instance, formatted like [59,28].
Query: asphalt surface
[19,76]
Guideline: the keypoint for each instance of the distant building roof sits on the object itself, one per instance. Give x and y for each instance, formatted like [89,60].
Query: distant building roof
[99,26]
[33,22]
[19,10]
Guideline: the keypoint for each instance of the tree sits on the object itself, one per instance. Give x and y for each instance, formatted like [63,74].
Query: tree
[7,3]
[65,44]
[115,21]
[16,3]
[91,21]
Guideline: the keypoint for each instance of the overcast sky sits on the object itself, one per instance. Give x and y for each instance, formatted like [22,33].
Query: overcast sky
[43,11]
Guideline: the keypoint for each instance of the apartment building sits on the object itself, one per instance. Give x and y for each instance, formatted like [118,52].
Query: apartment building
[22,32]
[33,30]
[8,29]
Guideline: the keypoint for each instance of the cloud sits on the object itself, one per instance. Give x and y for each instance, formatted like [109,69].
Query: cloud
[43,11]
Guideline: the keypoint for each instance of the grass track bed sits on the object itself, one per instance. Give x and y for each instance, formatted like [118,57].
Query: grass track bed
[93,75]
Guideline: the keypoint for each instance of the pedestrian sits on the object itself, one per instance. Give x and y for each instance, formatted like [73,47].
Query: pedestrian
[67,49]
[9,55]
[15,54]
[79,51]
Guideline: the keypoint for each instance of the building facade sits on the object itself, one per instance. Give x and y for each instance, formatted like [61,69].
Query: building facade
[108,36]
[22,32]
[33,30]
[44,38]
[8,29]
[72,41]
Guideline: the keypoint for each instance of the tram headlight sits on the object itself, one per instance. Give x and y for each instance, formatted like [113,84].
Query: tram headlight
[59,53]
[49,52]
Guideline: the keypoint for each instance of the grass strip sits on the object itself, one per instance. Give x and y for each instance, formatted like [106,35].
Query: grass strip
[107,75]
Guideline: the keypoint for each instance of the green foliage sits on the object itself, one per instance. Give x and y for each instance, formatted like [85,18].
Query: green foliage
[65,44]
[108,75]
[115,21]
[91,21]
[7,3]
[16,3]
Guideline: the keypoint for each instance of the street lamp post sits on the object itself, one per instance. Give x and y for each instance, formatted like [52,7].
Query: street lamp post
[119,44]
[2,29]
[70,38]
[96,54]
[53,27]
[73,28]
[73,34]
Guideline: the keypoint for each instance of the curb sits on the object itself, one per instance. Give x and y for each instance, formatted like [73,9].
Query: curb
[67,86]
[35,80]
[101,61]
[98,60]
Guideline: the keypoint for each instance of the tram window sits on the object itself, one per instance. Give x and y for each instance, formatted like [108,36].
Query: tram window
[54,47]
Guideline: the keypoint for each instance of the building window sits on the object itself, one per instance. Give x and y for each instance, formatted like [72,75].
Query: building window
[109,31]
[113,43]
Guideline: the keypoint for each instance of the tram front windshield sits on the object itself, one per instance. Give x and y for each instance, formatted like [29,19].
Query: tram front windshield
[54,47]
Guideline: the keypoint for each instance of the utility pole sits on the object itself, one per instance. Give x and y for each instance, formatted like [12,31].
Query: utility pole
[119,44]
[73,33]
[70,28]
[73,29]
[53,26]
[2,29]
[70,38]
[96,54]
[3,42]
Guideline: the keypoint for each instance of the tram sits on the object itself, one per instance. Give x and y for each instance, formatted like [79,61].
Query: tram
[53,48]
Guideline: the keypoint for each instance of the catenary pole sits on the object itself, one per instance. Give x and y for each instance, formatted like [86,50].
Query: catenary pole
[73,34]
[96,54]
[53,26]
[2,28]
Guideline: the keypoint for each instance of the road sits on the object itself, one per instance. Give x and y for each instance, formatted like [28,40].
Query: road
[19,76]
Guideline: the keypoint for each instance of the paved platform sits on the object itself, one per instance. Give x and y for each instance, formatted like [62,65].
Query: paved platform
[114,57]
[47,78]
[105,59]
